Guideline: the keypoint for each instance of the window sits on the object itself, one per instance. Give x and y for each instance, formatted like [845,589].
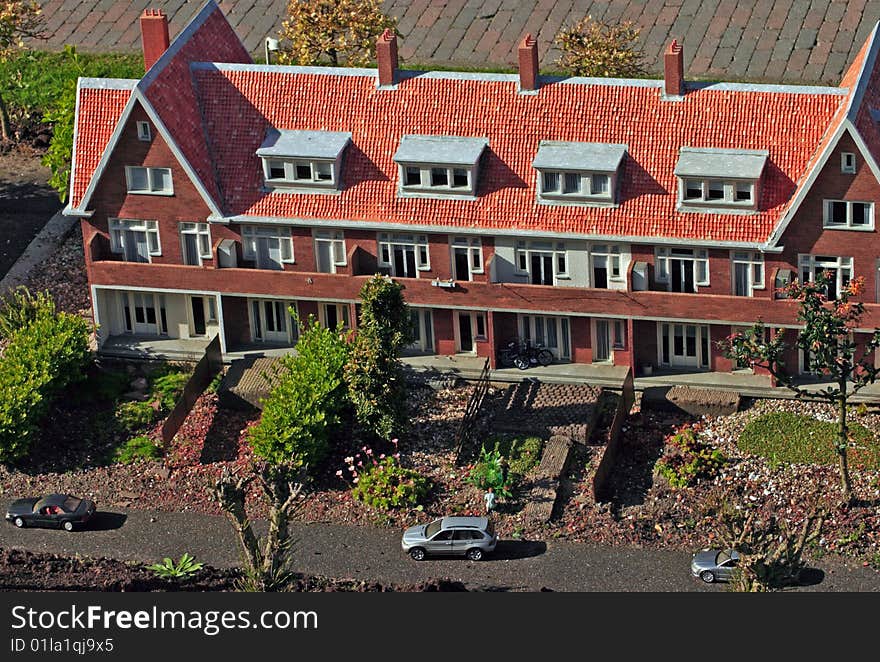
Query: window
[849,215]
[136,240]
[467,257]
[543,261]
[413,176]
[747,272]
[719,192]
[269,247]
[329,250]
[298,172]
[480,324]
[848,163]
[618,335]
[436,164]
[195,242]
[579,173]
[682,268]
[310,159]
[334,314]
[575,184]
[838,269]
[404,254]
[437,178]
[143,131]
[606,265]
[156,181]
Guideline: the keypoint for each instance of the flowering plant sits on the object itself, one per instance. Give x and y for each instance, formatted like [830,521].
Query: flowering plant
[381,482]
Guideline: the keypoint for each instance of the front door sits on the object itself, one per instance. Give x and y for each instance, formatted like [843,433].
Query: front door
[541,269]
[404,261]
[270,321]
[144,318]
[465,333]
[269,253]
[681,275]
[441,543]
[136,249]
[462,264]
[198,316]
[684,345]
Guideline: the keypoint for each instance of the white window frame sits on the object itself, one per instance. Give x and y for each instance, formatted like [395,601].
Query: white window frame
[289,165]
[755,262]
[612,252]
[421,246]
[249,234]
[728,198]
[848,163]
[203,239]
[827,206]
[342,314]
[143,132]
[426,178]
[336,239]
[151,175]
[814,265]
[558,249]
[585,191]
[474,246]
[700,256]
[118,226]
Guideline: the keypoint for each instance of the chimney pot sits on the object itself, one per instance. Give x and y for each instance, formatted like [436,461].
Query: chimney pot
[386,58]
[674,70]
[154,35]
[528,64]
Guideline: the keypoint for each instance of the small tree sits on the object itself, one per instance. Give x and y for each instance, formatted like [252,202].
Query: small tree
[827,344]
[341,31]
[19,20]
[374,371]
[597,49]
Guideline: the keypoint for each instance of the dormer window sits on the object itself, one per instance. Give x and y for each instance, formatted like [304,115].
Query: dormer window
[580,173]
[434,166]
[719,180]
[303,159]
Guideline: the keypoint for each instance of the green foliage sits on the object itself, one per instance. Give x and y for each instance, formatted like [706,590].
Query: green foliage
[135,416]
[593,48]
[42,358]
[521,454]
[20,307]
[137,448]
[488,472]
[374,372]
[385,485]
[168,569]
[167,384]
[104,386]
[788,437]
[215,383]
[687,458]
[306,402]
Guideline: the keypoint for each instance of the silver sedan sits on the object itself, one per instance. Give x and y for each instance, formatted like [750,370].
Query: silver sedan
[713,565]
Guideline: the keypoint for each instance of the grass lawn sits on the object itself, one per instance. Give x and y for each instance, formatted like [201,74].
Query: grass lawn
[788,437]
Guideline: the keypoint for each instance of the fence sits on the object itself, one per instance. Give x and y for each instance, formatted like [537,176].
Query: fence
[466,428]
[609,453]
[208,366]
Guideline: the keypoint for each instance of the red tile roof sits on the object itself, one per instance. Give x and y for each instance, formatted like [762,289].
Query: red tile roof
[99,112]
[239,105]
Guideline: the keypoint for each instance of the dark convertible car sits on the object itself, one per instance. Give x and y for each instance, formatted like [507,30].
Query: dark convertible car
[57,511]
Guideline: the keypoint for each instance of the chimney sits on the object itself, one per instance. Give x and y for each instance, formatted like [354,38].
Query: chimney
[154,35]
[386,57]
[674,69]
[528,64]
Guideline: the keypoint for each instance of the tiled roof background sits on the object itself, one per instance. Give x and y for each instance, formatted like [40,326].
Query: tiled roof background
[759,40]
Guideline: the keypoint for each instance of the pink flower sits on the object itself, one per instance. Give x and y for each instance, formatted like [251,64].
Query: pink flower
[339,473]
[349,459]
[394,441]
[360,464]
[356,479]
[382,456]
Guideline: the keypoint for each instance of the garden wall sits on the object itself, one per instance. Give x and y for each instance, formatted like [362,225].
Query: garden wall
[608,454]
[209,365]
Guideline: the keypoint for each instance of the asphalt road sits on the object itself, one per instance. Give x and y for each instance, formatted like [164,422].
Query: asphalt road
[375,555]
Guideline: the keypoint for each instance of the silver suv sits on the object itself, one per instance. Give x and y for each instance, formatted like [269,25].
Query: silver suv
[466,536]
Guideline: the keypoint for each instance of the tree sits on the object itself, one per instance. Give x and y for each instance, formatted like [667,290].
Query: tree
[19,20]
[299,414]
[374,373]
[341,31]
[827,340]
[597,49]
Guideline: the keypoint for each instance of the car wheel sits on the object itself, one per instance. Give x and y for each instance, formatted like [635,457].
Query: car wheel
[475,554]
[707,576]
[417,553]
[67,526]
[19,522]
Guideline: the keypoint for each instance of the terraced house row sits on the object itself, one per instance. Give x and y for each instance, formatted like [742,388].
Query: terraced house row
[631,222]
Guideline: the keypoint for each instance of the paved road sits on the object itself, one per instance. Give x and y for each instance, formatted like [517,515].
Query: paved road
[374,555]
[758,40]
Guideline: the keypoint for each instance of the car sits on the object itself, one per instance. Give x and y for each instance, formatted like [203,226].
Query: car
[713,565]
[472,537]
[54,511]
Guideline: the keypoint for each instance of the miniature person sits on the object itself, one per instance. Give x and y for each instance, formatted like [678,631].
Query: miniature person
[489,496]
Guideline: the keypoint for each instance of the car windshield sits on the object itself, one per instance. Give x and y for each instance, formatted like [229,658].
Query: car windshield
[71,504]
[432,528]
[723,557]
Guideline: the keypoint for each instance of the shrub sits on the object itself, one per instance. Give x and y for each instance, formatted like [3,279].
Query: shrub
[21,307]
[42,358]
[135,416]
[521,454]
[594,48]
[489,471]
[137,448]
[687,458]
[384,484]
[167,385]
[168,569]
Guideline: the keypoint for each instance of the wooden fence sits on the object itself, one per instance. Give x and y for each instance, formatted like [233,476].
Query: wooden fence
[466,428]
[208,366]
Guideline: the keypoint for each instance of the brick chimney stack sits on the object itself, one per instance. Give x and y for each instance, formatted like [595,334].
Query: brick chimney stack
[528,64]
[386,58]
[154,35]
[674,70]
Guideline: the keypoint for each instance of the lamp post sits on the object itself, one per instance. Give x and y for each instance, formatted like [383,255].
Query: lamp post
[271,45]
